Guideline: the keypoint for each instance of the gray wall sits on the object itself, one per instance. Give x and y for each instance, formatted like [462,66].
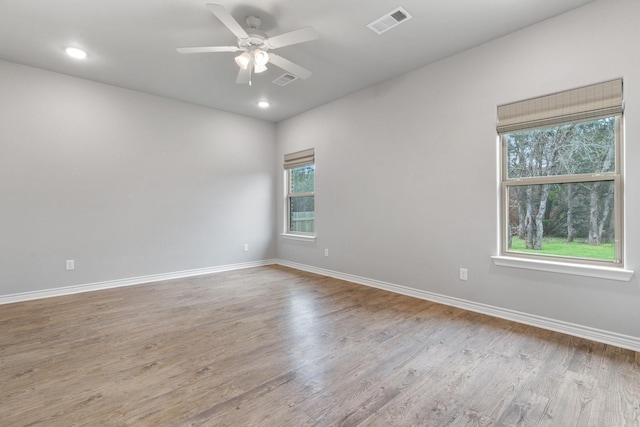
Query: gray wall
[129,184]
[406,171]
[124,183]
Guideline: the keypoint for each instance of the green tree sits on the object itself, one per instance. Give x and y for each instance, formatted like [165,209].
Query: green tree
[569,209]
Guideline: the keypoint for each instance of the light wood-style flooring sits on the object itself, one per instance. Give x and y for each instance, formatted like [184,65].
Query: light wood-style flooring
[272,346]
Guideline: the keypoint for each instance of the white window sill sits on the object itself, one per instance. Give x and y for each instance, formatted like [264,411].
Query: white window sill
[299,237]
[610,273]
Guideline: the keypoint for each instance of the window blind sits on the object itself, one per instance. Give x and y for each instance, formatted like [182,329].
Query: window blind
[299,159]
[584,103]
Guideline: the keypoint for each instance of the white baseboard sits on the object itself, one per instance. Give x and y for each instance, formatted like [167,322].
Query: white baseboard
[68,290]
[606,337]
[598,335]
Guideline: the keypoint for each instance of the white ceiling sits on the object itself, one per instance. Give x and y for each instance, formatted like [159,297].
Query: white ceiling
[131,43]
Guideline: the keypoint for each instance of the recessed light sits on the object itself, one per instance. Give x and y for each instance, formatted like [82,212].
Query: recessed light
[263,104]
[74,52]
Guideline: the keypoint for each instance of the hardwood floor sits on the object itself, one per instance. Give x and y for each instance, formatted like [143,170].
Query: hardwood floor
[272,346]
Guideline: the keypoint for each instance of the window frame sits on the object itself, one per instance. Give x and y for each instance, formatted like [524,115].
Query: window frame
[616,177]
[533,260]
[293,161]
[288,199]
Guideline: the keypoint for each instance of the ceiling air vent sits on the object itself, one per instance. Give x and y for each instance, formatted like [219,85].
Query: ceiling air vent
[390,20]
[285,79]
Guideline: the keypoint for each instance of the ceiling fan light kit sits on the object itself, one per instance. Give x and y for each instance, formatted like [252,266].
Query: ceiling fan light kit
[255,45]
[259,68]
[243,60]
[260,56]
[257,57]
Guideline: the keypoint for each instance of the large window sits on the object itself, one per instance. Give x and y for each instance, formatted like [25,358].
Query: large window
[300,199]
[561,179]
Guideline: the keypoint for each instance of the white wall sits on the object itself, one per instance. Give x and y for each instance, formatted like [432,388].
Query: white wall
[124,183]
[406,171]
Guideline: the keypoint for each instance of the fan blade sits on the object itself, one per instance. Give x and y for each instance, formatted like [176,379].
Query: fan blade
[289,66]
[244,75]
[293,37]
[208,49]
[225,17]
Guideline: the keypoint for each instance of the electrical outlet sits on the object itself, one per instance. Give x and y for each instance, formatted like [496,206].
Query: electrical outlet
[245,247]
[326,252]
[70,265]
[463,274]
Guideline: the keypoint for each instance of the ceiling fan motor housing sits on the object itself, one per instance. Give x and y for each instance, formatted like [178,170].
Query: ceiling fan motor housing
[257,39]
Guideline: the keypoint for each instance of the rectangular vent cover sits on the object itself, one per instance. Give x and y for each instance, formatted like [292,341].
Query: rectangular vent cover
[390,20]
[285,79]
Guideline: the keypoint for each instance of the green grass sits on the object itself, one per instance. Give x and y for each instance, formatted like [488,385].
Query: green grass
[559,246]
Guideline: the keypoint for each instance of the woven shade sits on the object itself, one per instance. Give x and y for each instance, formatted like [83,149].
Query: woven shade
[576,105]
[299,159]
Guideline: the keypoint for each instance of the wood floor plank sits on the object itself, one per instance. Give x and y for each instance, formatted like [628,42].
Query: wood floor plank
[272,346]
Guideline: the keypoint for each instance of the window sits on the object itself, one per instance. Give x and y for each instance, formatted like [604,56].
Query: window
[561,176]
[300,201]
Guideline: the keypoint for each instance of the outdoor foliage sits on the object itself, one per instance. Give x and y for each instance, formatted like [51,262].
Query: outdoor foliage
[302,206]
[302,179]
[570,209]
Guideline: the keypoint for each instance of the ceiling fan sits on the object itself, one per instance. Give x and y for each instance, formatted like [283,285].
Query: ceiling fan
[255,45]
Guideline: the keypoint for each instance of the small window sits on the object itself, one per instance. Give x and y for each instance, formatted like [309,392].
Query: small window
[561,178]
[300,199]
